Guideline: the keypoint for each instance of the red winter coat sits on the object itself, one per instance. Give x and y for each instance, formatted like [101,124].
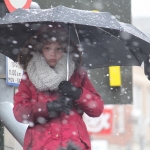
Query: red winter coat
[30,106]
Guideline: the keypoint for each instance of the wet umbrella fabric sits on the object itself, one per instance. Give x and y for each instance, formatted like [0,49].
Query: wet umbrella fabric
[102,39]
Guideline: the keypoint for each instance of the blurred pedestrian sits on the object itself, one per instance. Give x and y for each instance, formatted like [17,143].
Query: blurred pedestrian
[52,106]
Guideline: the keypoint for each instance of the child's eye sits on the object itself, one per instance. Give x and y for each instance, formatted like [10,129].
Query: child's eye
[46,48]
[60,49]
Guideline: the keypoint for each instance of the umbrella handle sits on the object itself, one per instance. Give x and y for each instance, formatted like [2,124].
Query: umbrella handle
[68,52]
[67,64]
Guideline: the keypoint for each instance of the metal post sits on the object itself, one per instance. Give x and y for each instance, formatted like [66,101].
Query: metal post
[3,9]
[2,77]
[6,97]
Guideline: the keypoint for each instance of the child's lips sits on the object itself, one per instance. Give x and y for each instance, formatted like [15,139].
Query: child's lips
[52,60]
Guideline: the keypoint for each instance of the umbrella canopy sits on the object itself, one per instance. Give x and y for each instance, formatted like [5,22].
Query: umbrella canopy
[102,39]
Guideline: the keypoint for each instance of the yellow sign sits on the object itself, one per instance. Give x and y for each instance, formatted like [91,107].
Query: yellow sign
[95,10]
[115,76]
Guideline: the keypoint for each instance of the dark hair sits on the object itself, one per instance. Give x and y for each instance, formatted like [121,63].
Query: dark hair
[36,43]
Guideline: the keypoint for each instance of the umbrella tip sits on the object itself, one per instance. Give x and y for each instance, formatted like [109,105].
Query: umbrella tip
[34,5]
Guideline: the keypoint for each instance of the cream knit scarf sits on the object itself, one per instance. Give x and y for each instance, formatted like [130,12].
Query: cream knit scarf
[44,77]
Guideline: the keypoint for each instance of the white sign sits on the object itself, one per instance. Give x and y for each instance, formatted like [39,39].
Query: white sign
[12,5]
[97,124]
[13,72]
[18,3]
[99,145]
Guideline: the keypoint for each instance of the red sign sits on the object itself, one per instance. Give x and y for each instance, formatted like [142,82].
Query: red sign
[12,5]
[100,125]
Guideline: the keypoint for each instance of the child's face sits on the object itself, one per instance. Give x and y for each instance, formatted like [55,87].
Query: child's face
[52,53]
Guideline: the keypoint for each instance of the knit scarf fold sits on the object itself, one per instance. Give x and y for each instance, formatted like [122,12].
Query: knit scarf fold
[43,76]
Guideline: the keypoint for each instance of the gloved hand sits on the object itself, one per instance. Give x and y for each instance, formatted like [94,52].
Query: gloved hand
[71,146]
[62,104]
[69,90]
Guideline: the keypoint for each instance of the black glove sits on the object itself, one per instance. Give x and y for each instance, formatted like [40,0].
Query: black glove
[69,90]
[71,146]
[63,104]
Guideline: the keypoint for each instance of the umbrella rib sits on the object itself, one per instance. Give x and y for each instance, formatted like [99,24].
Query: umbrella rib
[108,33]
[76,33]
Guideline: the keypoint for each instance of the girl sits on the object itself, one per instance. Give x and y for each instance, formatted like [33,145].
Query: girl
[52,106]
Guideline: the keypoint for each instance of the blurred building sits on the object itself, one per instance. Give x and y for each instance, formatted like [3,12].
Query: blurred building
[141,86]
[120,133]
[131,131]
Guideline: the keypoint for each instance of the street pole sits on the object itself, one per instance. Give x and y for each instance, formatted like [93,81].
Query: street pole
[2,77]
[3,9]
[6,92]
[6,98]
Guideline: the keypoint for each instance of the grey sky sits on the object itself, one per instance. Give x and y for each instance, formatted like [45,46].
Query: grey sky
[140,8]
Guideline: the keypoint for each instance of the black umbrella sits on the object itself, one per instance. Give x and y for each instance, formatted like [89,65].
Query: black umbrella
[102,39]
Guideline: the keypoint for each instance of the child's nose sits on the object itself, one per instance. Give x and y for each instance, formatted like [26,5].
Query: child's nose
[52,52]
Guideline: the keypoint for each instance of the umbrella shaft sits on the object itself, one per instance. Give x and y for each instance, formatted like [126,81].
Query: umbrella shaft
[68,64]
[68,52]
